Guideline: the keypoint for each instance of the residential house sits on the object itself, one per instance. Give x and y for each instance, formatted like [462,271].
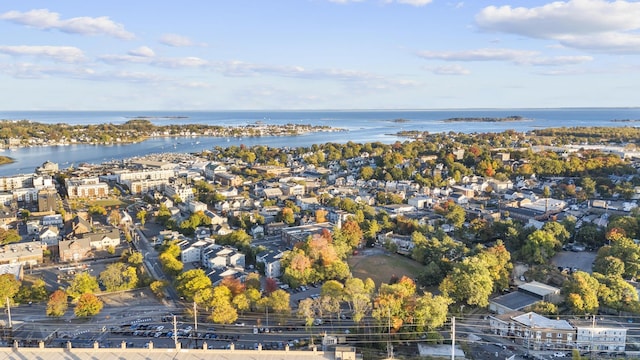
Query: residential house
[271,261]
[50,236]
[404,244]
[195,206]
[271,193]
[192,252]
[55,220]
[103,240]
[307,203]
[228,179]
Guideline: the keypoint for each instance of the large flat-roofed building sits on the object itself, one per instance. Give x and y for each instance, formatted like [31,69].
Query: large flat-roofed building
[21,253]
[528,294]
[86,188]
[96,352]
[295,234]
[8,183]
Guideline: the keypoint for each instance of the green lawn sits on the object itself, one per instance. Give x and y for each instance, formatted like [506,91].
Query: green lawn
[108,203]
[381,267]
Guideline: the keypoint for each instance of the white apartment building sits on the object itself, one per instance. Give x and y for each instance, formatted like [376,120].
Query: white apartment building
[86,188]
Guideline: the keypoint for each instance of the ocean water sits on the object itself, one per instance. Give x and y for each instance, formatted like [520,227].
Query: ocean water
[361,126]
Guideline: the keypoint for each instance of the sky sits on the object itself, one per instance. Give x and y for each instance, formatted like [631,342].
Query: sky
[318,54]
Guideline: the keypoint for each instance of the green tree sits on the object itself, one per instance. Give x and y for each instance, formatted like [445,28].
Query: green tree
[192,282]
[83,283]
[9,236]
[470,282]
[539,247]
[455,216]
[88,305]
[544,308]
[118,276]
[306,311]
[223,311]
[431,311]
[581,292]
[135,258]
[157,287]
[9,287]
[142,217]
[57,304]
[97,210]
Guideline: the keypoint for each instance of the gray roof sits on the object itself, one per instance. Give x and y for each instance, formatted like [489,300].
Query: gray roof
[155,354]
[516,300]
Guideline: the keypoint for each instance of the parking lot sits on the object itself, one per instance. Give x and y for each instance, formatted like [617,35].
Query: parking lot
[580,260]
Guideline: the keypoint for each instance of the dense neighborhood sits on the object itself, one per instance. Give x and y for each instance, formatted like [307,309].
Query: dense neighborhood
[529,240]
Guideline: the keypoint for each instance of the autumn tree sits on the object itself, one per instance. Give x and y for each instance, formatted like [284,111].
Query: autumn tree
[321,216]
[142,216]
[9,236]
[222,311]
[83,283]
[581,292]
[88,305]
[57,304]
[115,217]
[157,287]
[191,282]
[9,287]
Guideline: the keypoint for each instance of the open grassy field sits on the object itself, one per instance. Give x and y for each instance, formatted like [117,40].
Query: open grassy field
[381,266]
[108,203]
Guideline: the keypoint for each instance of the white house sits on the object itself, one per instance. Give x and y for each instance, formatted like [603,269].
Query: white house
[271,261]
[50,235]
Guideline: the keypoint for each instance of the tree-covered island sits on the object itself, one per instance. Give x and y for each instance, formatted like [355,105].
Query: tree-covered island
[486,119]
[28,133]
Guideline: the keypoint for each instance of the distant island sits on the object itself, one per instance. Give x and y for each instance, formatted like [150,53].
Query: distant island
[625,120]
[24,133]
[399,120]
[486,119]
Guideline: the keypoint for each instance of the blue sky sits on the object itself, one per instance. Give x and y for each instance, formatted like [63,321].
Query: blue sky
[318,54]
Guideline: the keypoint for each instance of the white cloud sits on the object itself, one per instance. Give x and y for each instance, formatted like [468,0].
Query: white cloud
[520,57]
[67,54]
[587,24]
[176,40]
[556,60]
[47,20]
[454,69]
[173,63]
[478,55]
[37,71]
[142,51]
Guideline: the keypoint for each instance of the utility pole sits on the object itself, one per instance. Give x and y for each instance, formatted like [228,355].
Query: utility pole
[9,312]
[453,338]
[175,332]
[195,317]
[389,346]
